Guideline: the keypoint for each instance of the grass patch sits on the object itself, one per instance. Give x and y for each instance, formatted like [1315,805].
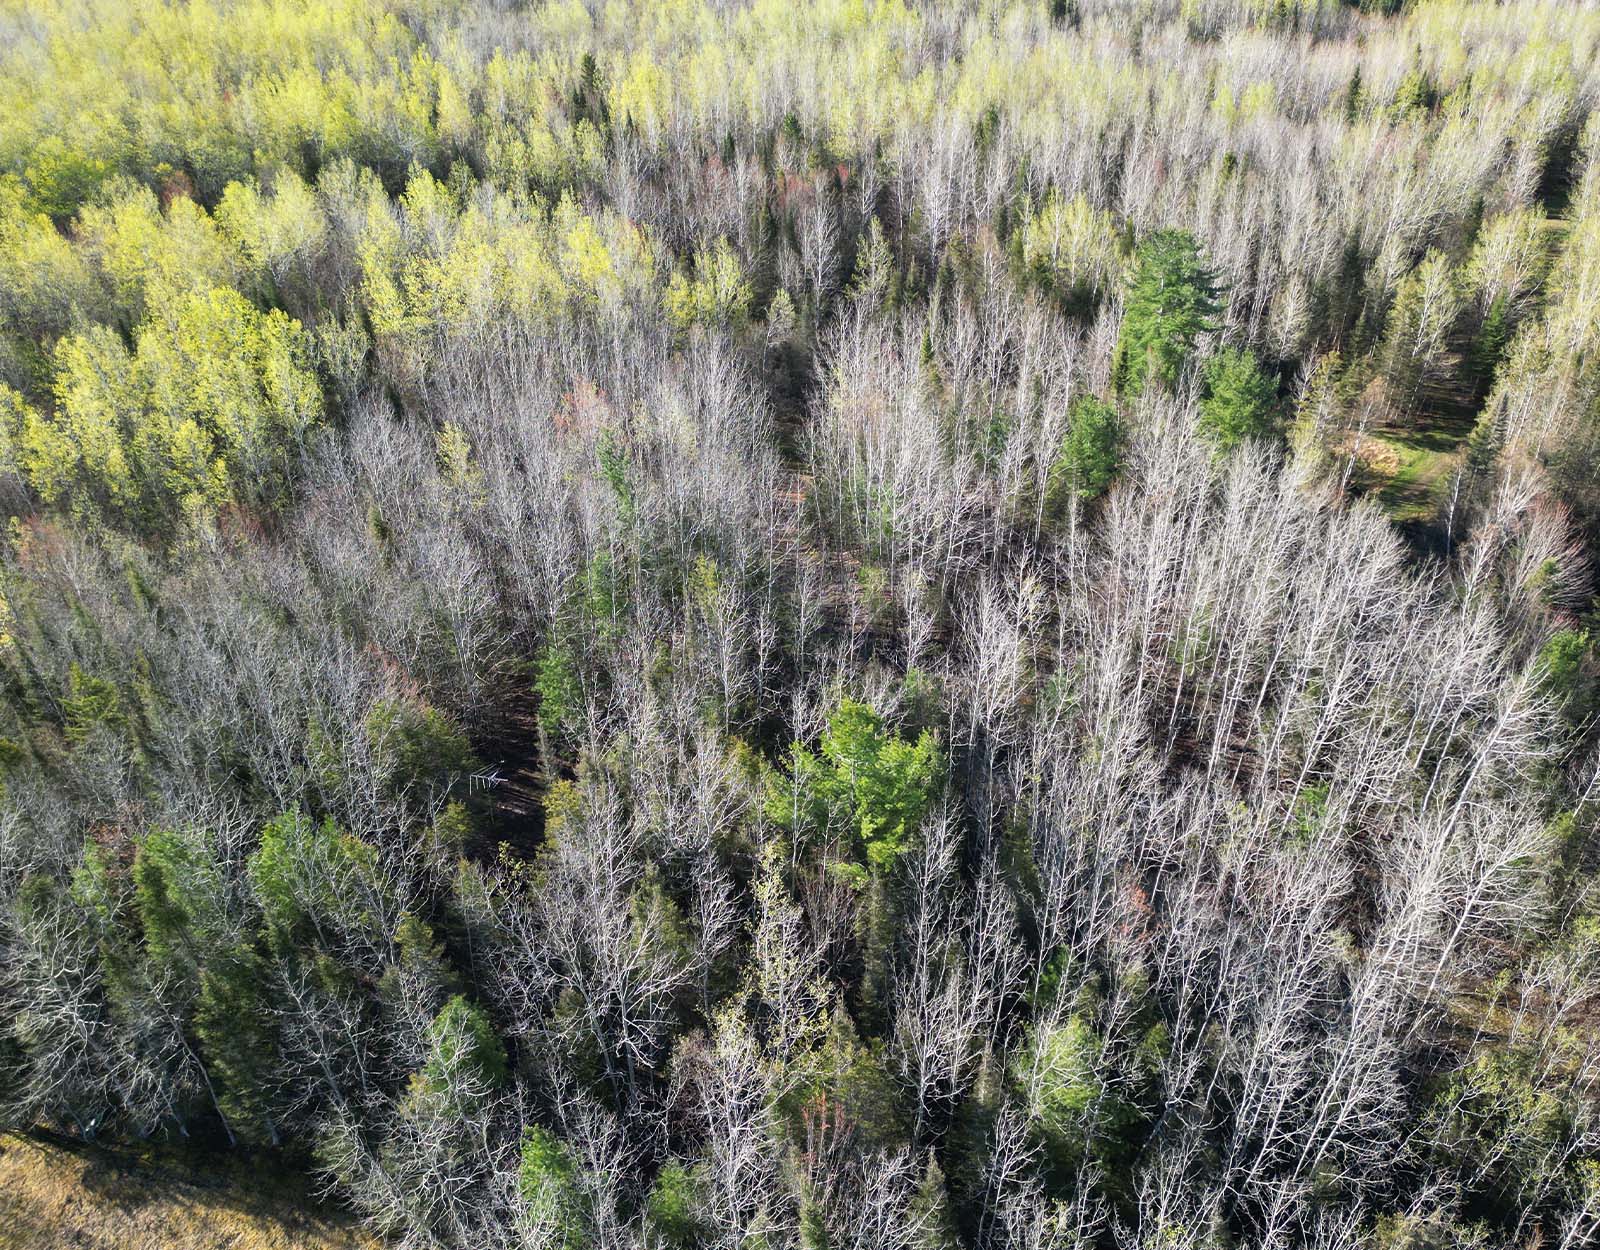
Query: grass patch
[1411,493]
[57,1193]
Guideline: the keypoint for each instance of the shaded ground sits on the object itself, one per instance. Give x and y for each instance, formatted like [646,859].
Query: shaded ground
[65,1194]
[1410,463]
[508,797]
[1411,472]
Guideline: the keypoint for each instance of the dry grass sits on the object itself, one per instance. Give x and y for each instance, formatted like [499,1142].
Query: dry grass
[53,1195]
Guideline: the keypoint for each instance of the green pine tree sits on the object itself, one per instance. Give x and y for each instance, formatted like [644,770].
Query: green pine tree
[1240,403]
[1172,301]
[1090,454]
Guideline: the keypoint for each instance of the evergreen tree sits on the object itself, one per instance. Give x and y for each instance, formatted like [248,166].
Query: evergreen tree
[1090,454]
[873,785]
[1240,402]
[673,1206]
[233,1019]
[548,1181]
[464,1046]
[1173,299]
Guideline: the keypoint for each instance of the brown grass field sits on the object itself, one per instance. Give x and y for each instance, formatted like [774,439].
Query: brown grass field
[71,1196]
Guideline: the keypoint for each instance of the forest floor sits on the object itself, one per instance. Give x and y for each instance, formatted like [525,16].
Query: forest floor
[1409,472]
[1409,463]
[1410,466]
[65,1194]
[511,805]
[1412,493]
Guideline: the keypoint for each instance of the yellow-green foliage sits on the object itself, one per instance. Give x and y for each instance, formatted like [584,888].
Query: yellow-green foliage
[1509,258]
[44,280]
[433,265]
[213,88]
[151,258]
[1072,246]
[14,412]
[156,152]
[717,294]
[235,88]
[205,408]
[271,233]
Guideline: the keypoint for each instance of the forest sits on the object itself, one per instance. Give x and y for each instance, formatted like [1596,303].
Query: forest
[817,624]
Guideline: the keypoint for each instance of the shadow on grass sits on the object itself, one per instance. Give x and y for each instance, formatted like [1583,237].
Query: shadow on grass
[222,1192]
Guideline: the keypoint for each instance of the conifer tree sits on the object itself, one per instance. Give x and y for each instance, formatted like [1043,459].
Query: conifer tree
[1240,401]
[1172,300]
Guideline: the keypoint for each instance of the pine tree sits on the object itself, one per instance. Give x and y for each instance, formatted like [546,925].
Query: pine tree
[1240,400]
[1090,454]
[234,1024]
[1172,301]
[464,1045]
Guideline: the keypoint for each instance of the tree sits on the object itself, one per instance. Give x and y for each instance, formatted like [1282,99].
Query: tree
[239,1038]
[1240,402]
[548,1183]
[673,1206]
[874,786]
[1172,300]
[1091,452]
[1564,661]
[317,886]
[465,1053]
[560,693]
[177,893]
[1426,307]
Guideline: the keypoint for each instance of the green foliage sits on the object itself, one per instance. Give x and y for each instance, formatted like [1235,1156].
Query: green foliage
[311,881]
[416,749]
[556,683]
[601,595]
[177,894]
[1493,1119]
[1494,336]
[548,1180]
[447,837]
[1310,811]
[1484,445]
[463,1045]
[1564,667]
[673,1206]
[873,785]
[93,888]
[614,468]
[1077,1106]
[1240,402]
[658,921]
[234,1022]
[932,1211]
[1090,454]
[1172,300]
[92,703]
[420,963]
[845,1082]
[1416,332]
